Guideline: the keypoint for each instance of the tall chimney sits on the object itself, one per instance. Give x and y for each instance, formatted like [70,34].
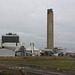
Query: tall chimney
[50,39]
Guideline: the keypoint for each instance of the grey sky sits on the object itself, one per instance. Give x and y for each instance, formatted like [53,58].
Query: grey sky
[28,18]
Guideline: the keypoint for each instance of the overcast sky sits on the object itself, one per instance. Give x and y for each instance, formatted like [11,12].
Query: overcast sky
[28,18]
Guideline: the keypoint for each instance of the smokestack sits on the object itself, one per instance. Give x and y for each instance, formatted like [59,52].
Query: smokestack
[50,39]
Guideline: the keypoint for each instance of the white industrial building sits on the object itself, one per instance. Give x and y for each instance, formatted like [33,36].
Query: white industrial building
[9,44]
[10,41]
[32,50]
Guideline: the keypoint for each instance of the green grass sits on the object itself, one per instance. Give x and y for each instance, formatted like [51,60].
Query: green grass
[4,72]
[63,62]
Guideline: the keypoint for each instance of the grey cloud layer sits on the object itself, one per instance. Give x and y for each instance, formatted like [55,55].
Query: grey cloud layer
[28,18]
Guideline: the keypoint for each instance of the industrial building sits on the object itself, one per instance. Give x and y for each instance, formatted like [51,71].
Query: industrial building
[11,46]
[9,43]
[32,50]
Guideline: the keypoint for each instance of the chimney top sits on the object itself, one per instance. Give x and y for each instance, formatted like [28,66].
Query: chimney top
[49,10]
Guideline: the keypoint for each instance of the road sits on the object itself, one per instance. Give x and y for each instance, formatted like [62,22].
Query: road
[33,70]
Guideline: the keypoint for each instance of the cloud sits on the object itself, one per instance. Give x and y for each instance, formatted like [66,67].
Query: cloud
[28,18]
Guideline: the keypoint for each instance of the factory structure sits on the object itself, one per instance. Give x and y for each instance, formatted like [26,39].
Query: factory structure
[10,44]
[50,35]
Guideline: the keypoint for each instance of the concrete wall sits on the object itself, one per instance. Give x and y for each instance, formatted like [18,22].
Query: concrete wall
[5,52]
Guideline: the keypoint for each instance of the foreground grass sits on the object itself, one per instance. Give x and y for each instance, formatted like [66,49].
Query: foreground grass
[4,72]
[62,62]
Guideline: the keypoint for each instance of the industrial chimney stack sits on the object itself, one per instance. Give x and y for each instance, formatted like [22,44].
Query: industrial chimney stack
[50,39]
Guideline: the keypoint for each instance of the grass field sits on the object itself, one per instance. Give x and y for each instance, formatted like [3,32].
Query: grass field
[62,62]
[3,72]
